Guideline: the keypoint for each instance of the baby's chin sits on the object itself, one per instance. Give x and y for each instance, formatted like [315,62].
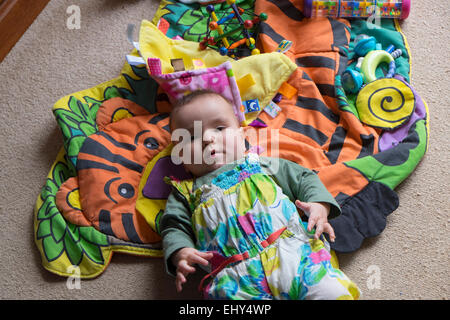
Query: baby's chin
[210,165]
[199,170]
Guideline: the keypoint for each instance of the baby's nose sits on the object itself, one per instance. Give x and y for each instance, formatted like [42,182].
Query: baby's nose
[208,137]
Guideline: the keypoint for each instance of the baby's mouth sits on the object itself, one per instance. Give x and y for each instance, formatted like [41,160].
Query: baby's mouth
[213,154]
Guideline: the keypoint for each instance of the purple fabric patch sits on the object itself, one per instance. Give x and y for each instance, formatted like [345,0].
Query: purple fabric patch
[155,187]
[247,223]
[257,124]
[390,139]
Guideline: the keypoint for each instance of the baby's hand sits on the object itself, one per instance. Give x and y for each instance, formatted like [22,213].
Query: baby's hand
[184,259]
[317,213]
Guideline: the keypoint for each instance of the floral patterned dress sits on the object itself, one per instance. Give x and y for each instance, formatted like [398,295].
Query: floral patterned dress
[261,247]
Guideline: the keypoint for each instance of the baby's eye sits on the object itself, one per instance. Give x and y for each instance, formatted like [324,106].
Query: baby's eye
[220,128]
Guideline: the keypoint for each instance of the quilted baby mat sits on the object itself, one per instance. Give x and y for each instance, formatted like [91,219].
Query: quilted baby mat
[105,192]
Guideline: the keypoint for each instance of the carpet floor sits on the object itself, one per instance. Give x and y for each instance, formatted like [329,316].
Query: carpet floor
[409,259]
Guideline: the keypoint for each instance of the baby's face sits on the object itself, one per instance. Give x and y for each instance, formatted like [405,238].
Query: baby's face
[211,137]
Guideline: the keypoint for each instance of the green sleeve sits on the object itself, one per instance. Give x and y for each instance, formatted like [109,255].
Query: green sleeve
[176,228]
[300,183]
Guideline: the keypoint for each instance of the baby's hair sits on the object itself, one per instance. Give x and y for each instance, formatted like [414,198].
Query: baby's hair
[192,97]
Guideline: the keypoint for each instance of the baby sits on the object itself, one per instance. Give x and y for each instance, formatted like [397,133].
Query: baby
[237,216]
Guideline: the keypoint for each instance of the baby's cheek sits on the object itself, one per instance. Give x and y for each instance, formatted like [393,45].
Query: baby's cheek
[197,147]
[234,143]
[187,153]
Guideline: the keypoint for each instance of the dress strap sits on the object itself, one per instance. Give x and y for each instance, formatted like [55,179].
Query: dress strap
[240,257]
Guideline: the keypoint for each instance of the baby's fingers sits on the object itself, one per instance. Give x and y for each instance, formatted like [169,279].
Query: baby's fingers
[312,221]
[201,258]
[304,206]
[329,229]
[185,268]
[205,254]
[319,229]
[180,279]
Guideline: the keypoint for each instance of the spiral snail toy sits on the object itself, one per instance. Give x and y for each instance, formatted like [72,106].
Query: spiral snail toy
[385,103]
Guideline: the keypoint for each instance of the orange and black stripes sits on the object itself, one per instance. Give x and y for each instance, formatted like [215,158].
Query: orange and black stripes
[313,130]
[110,164]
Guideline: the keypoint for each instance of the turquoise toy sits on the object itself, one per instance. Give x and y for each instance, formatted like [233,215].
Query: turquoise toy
[352,81]
[364,44]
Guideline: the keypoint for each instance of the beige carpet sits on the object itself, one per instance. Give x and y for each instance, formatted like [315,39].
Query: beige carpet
[410,258]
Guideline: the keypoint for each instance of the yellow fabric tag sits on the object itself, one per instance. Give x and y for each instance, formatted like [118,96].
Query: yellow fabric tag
[287,90]
[245,83]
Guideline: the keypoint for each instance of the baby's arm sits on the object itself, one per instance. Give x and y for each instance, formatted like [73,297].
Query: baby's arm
[316,201]
[305,188]
[176,229]
[179,240]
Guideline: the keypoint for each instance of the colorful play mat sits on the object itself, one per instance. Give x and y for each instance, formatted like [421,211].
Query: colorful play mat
[358,123]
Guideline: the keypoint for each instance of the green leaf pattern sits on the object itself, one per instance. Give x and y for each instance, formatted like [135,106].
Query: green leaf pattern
[57,235]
